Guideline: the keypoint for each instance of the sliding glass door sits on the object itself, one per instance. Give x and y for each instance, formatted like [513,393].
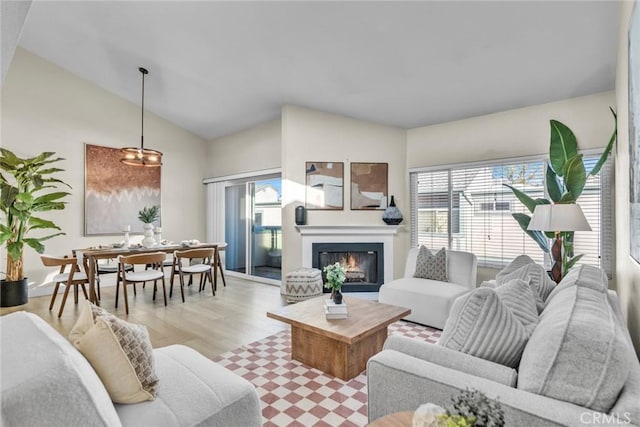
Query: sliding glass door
[252,224]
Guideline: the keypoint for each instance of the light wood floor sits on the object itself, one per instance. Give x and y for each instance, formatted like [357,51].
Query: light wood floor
[210,324]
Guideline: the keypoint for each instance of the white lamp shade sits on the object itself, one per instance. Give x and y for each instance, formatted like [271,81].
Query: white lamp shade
[558,217]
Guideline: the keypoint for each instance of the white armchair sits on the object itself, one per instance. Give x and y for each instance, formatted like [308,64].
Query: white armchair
[430,300]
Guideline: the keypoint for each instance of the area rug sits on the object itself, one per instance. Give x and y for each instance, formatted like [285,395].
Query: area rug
[293,394]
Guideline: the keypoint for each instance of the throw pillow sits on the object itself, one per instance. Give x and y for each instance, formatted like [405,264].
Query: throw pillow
[120,353]
[537,278]
[481,325]
[578,353]
[430,266]
[518,262]
[519,297]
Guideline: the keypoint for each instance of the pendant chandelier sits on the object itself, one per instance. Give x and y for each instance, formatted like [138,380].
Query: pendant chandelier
[135,156]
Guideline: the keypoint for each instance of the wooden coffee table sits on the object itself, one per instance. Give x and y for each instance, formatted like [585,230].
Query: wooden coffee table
[338,347]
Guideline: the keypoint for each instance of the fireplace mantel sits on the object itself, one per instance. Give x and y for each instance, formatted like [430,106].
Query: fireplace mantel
[384,234]
[348,229]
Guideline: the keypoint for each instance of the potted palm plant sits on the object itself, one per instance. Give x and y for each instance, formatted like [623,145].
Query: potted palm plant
[566,177]
[28,186]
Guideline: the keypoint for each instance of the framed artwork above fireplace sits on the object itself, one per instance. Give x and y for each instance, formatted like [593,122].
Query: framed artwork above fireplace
[369,186]
[324,185]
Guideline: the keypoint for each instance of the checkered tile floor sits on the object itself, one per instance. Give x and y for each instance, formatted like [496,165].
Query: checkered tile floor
[294,394]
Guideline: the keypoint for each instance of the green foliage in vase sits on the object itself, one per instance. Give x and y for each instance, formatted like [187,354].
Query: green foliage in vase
[475,407]
[565,179]
[27,187]
[336,275]
[149,215]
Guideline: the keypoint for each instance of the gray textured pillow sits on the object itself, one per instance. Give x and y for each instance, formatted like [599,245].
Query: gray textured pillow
[538,279]
[481,325]
[430,266]
[578,352]
[518,296]
[518,262]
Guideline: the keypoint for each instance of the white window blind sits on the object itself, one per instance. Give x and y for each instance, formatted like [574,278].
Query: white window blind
[467,208]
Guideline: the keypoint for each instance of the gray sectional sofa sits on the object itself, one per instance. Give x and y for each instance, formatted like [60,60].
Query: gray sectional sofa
[47,382]
[578,357]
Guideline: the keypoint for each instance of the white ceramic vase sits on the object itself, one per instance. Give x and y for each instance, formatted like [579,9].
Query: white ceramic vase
[149,240]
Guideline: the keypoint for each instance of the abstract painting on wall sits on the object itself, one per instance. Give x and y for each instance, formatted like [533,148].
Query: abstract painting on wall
[369,185]
[324,185]
[115,192]
[634,132]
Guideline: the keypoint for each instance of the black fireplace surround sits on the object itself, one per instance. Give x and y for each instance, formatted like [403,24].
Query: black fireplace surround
[364,263]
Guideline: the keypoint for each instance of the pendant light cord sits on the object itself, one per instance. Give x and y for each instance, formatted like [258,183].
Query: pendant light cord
[143,71]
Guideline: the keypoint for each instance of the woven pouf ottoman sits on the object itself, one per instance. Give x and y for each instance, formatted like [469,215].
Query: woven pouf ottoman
[303,283]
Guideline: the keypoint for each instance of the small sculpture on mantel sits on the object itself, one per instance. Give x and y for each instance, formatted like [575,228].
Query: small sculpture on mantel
[392,215]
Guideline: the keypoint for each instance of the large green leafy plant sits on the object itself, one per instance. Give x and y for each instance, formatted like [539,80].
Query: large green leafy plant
[28,187]
[565,179]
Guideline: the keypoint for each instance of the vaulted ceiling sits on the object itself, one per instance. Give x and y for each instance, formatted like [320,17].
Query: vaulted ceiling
[217,67]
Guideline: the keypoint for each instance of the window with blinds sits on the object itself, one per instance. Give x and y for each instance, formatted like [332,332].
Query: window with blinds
[467,208]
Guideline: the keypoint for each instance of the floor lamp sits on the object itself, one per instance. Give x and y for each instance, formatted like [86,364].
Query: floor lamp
[558,218]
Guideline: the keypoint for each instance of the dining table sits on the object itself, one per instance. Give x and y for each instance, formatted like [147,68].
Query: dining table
[91,255]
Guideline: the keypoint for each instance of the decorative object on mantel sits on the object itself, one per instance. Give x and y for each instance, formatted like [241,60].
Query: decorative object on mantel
[148,216]
[335,275]
[28,186]
[392,215]
[135,156]
[301,215]
[324,185]
[369,186]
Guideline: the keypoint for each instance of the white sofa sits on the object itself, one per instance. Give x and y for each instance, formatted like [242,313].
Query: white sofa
[430,300]
[45,381]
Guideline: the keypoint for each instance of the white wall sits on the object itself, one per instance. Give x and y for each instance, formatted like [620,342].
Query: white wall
[512,133]
[249,150]
[45,108]
[627,270]
[310,135]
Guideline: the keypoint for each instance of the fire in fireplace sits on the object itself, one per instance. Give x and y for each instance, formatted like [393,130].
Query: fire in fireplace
[363,263]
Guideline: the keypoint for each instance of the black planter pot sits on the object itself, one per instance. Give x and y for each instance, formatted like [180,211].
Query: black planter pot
[14,293]
[337,297]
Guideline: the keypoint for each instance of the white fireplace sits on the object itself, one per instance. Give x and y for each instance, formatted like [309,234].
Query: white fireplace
[349,234]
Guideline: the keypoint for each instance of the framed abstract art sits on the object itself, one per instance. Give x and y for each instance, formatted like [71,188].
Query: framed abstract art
[634,132]
[324,185]
[114,193]
[369,186]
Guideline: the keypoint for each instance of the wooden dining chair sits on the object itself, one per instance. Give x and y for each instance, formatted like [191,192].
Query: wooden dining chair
[131,277]
[72,277]
[205,266]
[220,247]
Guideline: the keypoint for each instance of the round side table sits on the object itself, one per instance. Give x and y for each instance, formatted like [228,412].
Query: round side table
[397,419]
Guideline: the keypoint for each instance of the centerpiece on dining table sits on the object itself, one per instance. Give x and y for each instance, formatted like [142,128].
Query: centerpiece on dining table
[148,216]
